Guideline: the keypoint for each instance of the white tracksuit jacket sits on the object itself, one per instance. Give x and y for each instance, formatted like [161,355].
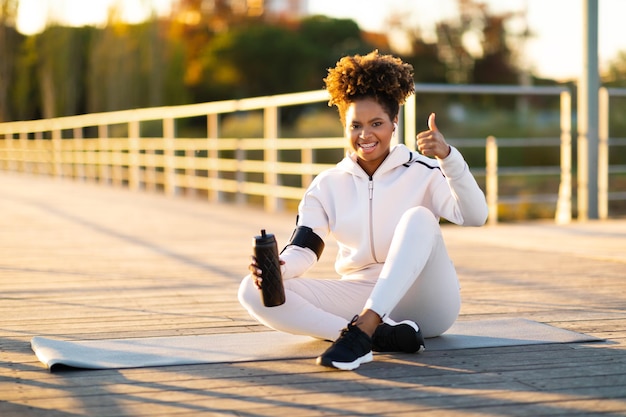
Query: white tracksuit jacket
[362,211]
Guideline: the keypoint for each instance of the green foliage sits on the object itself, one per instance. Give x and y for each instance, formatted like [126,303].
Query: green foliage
[62,55]
[67,70]
[331,38]
[262,59]
[237,62]
[427,67]
[9,47]
[137,66]
[25,91]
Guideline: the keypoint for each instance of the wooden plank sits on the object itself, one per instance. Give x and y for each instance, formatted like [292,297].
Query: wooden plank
[81,261]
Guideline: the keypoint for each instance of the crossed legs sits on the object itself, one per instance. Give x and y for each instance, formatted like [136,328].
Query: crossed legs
[417,282]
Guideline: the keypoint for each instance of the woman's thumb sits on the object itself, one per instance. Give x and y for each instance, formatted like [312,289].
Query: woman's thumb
[431,122]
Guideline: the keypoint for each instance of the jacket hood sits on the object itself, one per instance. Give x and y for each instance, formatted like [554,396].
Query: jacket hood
[398,155]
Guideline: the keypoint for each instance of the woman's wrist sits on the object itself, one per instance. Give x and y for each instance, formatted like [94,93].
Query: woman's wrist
[447,154]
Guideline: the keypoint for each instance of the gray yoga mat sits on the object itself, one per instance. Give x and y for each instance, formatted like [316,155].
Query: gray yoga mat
[271,345]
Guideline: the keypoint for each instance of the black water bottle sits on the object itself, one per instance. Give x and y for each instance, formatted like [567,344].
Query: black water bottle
[266,253]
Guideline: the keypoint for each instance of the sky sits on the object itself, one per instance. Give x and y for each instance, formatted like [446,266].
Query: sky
[555,50]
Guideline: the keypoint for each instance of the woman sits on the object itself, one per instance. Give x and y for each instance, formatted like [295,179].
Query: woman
[382,204]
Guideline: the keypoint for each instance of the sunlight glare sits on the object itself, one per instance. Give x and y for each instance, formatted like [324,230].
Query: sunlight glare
[34,15]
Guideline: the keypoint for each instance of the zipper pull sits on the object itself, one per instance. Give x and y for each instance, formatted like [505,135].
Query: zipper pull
[371,188]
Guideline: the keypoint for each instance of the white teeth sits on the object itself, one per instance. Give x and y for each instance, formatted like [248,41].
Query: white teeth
[367,145]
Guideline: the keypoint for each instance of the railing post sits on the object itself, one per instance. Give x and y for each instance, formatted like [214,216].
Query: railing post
[191,172]
[133,155]
[117,162]
[78,154]
[603,153]
[169,153]
[564,203]
[240,174]
[4,141]
[11,160]
[410,130]
[213,193]
[272,203]
[24,152]
[587,115]
[306,155]
[104,172]
[17,153]
[56,153]
[492,179]
[40,166]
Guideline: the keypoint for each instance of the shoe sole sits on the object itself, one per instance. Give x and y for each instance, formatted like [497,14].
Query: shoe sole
[347,366]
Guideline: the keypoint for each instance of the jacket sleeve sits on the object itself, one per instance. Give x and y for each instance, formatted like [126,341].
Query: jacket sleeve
[297,261]
[464,202]
[311,213]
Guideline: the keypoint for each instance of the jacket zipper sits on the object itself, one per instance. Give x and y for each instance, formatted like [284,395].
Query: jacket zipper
[370,186]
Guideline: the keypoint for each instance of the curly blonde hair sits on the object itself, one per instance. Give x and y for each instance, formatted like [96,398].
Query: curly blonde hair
[384,78]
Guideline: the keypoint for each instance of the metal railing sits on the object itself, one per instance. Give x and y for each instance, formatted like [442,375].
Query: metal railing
[223,167]
[563,212]
[604,141]
[168,163]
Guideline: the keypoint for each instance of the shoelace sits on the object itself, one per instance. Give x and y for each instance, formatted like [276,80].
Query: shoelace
[348,337]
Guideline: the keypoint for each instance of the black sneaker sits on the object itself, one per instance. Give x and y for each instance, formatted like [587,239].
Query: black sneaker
[351,349]
[404,336]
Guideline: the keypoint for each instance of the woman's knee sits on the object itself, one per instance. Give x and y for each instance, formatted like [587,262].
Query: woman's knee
[420,216]
[420,213]
[248,294]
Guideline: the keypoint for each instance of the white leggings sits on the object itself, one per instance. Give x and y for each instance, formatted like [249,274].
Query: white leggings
[417,282]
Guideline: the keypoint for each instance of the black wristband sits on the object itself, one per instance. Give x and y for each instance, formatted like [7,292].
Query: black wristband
[305,237]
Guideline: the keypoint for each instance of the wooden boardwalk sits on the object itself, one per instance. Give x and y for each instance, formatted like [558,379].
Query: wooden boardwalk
[84,261]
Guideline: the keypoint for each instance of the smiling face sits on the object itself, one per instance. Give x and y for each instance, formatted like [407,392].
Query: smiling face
[369,128]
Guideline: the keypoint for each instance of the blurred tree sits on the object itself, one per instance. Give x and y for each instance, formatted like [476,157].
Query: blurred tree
[237,62]
[25,95]
[495,66]
[474,47]
[424,56]
[211,50]
[9,46]
[112,78]
[133,66]
[332,38]
[329,39]
[61,61]
[261,59]
[453,53]
[196,23]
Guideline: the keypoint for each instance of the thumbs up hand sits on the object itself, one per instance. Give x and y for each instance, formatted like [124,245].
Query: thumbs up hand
[431,142]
